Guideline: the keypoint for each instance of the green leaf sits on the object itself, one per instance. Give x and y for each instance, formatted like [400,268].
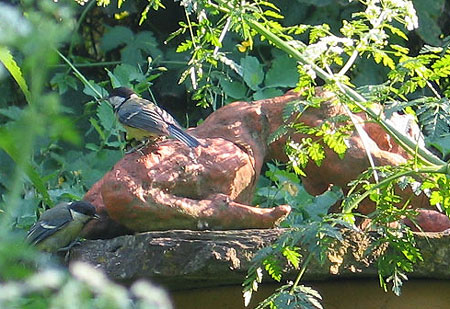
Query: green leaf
[316,153]
[184,46]
[429,13]
[294,106]
[273,14]
[282,73]
[25,215]
[321,204]
[97,128]
[124,74]
[12,112]
[277,134]
[233,89]
[269,4]
[10,146]
[252,72]
[92,166]
[10,64]
[115,82]
[292,255]
[106,116]
[273,267]
[267,93]
[63,81]
[90,92]
[116,36]
[131,55]
[442,144]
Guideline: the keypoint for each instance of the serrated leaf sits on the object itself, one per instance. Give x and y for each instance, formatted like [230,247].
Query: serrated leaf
[126,73]
[397,31]
[252,72]
[116,36]
[88,91]
[10,64]
[273,14]
[292,255]
[277,134]
[295,106]
[131,55]
[273,268]
[106,115]
[285,300]
[184,46]
[316,153]
[63,81]
[146,41]
[269,4]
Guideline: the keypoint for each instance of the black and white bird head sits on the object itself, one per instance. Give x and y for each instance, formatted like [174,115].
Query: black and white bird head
[82,209]
[119,95]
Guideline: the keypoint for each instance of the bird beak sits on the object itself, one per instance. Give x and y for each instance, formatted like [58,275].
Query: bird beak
[96,217]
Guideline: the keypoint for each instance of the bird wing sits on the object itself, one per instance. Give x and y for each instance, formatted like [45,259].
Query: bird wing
[45,227]
[183,136]
[143,114]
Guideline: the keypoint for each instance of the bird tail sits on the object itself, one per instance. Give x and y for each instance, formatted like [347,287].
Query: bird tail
[183,136]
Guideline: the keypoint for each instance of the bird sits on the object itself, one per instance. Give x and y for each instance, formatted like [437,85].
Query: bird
[59,227]
[142,118]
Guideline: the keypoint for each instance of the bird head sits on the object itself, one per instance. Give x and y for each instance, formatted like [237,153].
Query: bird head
[83,209]
[120,95]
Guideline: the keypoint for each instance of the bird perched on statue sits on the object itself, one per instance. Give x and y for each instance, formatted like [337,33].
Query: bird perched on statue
[59,227]
[142,118]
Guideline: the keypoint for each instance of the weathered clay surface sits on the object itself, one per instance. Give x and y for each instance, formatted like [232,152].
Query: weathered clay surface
[173,186]
[429,221]
[183,259]
[170,186]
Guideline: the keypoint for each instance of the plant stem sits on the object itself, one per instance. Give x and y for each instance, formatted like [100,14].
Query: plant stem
[443,169]
[77,27]
[300,274]
[89,65]
[80,76]
[404,141]
[349,63]
[222,35]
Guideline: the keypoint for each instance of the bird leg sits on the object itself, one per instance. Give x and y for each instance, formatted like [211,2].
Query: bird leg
[67,248]
[74,243]
[139,147]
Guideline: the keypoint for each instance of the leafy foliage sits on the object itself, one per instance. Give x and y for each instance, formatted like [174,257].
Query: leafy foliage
[40,142]
[135,44]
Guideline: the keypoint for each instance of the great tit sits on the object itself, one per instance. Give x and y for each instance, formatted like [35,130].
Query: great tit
[143,119]
[60,226]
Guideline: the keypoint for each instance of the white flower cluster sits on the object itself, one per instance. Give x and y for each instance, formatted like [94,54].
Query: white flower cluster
[331,44]
[387,10]
[80,2]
